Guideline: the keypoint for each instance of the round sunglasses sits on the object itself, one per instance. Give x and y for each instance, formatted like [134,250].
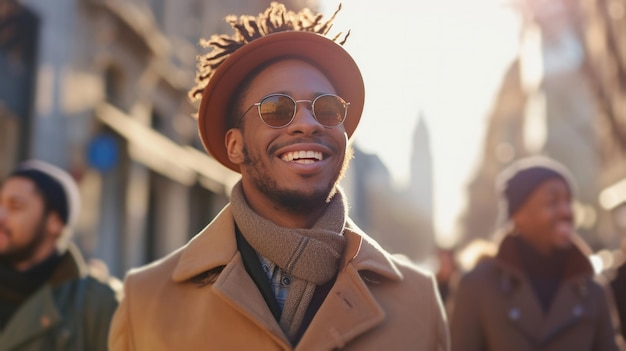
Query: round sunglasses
[279,110]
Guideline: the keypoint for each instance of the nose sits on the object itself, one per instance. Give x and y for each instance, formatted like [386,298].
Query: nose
[567,209]
[304,121]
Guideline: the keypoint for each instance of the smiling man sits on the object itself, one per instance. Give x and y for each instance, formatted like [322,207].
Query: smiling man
[49,300]
[282,266]
[538,292]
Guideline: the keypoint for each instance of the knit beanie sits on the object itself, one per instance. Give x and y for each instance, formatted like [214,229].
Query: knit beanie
[518,181]
[58,189]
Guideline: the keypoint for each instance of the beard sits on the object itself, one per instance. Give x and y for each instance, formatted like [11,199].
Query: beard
[293,200]
[24,253]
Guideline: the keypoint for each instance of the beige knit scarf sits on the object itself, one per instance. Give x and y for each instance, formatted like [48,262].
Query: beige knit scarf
[311,256]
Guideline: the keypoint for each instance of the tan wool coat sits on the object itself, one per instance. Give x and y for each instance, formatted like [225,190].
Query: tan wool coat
[201,298]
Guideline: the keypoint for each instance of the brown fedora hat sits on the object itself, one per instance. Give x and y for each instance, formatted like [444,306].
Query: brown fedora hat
[329,57]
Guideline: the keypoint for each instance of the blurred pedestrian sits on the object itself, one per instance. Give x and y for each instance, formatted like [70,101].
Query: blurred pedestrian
[618,287]
[282,266]
[48,300]
[447,271]
[538,292]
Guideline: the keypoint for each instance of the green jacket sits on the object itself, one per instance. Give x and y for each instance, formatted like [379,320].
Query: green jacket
[72,311]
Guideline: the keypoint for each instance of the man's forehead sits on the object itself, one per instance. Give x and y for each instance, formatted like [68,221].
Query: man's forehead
[19,188]
[555,183]
[553,186]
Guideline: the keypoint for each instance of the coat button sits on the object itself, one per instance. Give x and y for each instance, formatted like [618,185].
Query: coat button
[285,280]
[65,333]
[44,321]
[514,313]
[577,311]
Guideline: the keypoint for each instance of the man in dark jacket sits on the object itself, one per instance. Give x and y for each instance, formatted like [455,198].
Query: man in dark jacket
[48,299]
[538,292]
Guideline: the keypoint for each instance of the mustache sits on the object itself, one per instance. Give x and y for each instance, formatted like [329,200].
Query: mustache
[272,149]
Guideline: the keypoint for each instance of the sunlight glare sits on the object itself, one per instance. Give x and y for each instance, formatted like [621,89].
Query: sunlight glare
[443,59]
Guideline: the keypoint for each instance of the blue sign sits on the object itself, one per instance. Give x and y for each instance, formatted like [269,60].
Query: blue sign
[103,152]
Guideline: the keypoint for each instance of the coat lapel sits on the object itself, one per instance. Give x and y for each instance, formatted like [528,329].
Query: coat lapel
[350,309]
[36,316]
[235,286]
[523,311]
[568,308]
[215,247]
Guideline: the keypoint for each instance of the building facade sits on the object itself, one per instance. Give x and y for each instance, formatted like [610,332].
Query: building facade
[562,98]
[400,218]
[99,88]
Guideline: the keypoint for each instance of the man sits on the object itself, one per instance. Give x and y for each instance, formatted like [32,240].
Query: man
[282,267]
[538,292]
[48,300]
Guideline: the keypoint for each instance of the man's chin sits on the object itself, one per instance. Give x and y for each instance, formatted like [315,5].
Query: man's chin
[563,241]
[302,199]
[4,242]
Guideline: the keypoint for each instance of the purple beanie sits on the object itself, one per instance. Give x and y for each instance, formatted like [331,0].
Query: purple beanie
[517,182]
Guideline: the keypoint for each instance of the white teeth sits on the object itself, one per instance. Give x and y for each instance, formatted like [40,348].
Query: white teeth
[304,157]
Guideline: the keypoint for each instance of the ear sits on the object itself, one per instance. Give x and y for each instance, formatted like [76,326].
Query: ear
[514,220]
[54,224]
[234,146]
[518,220]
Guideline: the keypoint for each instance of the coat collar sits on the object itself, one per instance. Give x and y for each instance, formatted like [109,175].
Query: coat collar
[366,255]
[349,310]
[72,266]
[569,306]
[215,246]
[40,312]
[212,248]
[578,265]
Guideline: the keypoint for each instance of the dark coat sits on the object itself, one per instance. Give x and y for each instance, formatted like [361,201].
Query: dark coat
[378,302]
[618,287]
[72,311]
[495,308]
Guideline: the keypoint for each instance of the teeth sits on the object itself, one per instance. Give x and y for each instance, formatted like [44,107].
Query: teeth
[304,157]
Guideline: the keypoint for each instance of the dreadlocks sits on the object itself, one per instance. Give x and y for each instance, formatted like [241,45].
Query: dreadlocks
[276,18]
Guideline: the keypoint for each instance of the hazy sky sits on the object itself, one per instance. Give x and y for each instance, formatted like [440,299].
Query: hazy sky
[442,59]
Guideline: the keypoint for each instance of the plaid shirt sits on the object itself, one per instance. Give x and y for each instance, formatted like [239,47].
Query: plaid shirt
[279,280]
